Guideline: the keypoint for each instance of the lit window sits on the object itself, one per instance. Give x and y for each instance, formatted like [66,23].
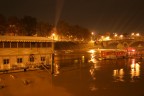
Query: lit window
[5,61]
[49,44]
[13,44]
[33,44]
[27,44]
[44,44]
[1,44]
[7,45]
[31,58]
[42,58]
[38,44]
[20,45]
[19,60]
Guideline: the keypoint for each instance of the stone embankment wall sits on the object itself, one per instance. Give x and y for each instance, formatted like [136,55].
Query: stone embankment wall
[72,45]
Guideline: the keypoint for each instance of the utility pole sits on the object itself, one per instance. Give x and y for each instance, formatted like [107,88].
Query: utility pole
[52,66]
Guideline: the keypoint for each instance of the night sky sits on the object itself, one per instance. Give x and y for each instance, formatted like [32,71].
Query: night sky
[97,15]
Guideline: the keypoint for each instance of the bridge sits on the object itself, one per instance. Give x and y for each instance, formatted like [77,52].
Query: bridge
[120,44]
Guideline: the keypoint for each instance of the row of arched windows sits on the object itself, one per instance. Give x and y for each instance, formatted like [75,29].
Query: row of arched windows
[25,44]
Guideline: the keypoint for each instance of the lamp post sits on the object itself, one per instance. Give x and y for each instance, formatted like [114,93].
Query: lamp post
[121,36]
[92,37]
[115,36]
[52,66]
[53,35]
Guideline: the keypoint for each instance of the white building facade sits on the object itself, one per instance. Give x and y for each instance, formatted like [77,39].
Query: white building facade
[18,52]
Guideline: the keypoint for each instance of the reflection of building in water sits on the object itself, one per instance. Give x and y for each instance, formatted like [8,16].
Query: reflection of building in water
[83,59]
[92,73]
[93,59]
[94,66]
[93,87]
[56,69]
[118,74]
[135,69]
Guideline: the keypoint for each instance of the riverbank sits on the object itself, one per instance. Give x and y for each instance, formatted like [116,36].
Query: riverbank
[30,83]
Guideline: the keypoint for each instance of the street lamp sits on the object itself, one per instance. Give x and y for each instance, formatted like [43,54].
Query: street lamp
[92,36]
[115,36]
[52,66]
[53,35]
[137,34]
[92,33]
[102,37]
[132,34]
[121,36]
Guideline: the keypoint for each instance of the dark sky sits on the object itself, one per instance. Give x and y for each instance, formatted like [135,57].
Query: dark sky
[96,15]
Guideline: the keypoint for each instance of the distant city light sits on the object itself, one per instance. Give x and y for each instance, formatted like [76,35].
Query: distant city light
[121,36]
[115,35]
[92,33]
[92,51]
[53,34]
[107,38]
[132,34]
[137,34]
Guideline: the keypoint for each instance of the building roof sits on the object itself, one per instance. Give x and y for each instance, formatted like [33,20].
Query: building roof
[24,39]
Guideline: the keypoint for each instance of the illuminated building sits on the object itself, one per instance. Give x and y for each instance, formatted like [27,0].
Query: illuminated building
[18,52]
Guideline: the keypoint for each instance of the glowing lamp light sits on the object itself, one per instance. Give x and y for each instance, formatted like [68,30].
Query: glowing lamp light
[107,38]
[53,34]
[137,34]
[91,51]
[115,35]
[92,33]
[132,34]
[121,36]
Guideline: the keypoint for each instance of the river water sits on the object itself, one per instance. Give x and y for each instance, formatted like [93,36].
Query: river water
[81,74]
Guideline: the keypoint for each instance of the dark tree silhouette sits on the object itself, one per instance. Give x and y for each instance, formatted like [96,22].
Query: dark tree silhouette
[29,24]
[44,29]
[2,24]
[13,26]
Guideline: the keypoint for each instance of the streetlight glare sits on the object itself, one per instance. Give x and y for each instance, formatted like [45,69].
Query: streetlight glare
[137,34]
[92,33]
[53,34]
[121,36]
[132,34]
[115,35]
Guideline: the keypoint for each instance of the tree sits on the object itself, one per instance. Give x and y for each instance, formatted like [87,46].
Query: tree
[29,25]
[80,32]
[62,28]
[43,29]
[13,26]
[2,24]
[72,31]
[126,35]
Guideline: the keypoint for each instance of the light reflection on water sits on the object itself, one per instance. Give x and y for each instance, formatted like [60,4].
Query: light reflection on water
[118,75]
[135,70]
[92,77]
